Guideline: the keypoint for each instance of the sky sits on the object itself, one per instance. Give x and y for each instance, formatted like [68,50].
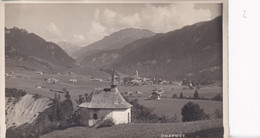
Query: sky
[85,23]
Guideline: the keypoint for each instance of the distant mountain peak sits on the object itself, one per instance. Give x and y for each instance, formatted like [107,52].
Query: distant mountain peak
[68,47]
[115,40]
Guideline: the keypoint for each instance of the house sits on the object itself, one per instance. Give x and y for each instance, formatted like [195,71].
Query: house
[96,80]
[129,93]
[105,103]
[9,76]
[157,93]
[39,72]
[52,80]
[71,73]
[138,92]
[38,86]
[73,80]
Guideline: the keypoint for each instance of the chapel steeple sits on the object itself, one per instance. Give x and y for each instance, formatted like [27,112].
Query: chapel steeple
[113,79]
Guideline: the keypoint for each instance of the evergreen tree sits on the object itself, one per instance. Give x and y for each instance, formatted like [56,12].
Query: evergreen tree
[56,107]
[86,96]
[196,95]
[66,111]
[67,95]
[181,95]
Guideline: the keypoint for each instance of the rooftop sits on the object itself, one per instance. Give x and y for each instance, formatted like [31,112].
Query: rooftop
[109,98]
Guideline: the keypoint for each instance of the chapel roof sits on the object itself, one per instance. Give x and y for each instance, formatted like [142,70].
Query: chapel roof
[109,98]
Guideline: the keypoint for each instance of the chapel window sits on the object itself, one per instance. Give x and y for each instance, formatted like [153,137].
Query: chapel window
[95,116]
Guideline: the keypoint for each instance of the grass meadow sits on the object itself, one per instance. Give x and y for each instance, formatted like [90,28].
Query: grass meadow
[166,106]
[143,130]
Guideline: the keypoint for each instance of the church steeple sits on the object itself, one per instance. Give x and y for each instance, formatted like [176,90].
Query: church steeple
[113,79]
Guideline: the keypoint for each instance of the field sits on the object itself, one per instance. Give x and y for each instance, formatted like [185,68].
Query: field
[209,128]
[28,80]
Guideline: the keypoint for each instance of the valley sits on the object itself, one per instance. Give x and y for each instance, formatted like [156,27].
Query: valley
[29,80]
[159,73]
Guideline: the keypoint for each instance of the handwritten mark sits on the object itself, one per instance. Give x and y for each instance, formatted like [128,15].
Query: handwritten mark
[244,15]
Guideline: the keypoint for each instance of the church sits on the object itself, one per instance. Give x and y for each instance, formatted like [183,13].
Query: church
[105,103]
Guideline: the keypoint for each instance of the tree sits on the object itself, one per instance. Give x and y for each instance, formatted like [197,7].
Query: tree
[67,95]
[196,95]
[56,107]
[65,111]
[86,96]
[218,97]
[174,96]
[80,100]
[181,95]
[193,112]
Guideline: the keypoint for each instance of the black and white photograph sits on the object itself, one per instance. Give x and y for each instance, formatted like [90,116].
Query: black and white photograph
[115,69]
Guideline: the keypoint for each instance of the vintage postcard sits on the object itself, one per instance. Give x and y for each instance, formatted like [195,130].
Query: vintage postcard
[115,69]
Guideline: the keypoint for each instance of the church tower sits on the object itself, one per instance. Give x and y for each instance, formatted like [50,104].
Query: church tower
[113,80]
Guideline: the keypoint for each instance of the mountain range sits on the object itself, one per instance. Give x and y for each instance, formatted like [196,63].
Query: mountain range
[115,40]
[192,51]
[23,46]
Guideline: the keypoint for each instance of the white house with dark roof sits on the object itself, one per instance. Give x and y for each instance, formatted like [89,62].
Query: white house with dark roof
[105,104]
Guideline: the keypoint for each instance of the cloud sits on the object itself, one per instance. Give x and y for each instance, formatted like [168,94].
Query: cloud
[78,38]
[94,21]
[97,31]
[157,18]
[170,17]
[109,14]
[133,20]
[53,30]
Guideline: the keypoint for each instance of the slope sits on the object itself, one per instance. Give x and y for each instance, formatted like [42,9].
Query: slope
[23,46]
[192,51]
[116,40]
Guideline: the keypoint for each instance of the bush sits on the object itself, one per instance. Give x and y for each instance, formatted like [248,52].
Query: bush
[218,98]
[193,112]
[36,96]
[14,93]
[174,96]
[218,113]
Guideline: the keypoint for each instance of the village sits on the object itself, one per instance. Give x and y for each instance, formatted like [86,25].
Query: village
[134,87]
[131,81]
